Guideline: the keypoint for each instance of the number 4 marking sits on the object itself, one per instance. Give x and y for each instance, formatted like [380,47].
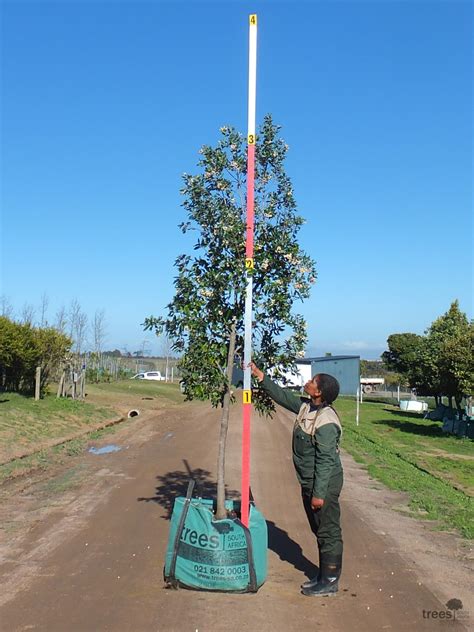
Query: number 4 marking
[253,19]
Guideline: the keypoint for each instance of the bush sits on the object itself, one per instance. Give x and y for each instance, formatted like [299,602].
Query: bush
[23,348]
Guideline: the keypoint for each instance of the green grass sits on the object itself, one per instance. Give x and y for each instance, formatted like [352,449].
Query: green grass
[141,388]
[25,423]
[57,455]
[411,454]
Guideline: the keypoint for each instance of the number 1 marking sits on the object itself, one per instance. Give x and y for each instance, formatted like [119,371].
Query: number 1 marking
[247,397]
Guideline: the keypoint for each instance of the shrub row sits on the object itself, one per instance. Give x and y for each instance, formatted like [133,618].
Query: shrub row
[23,348]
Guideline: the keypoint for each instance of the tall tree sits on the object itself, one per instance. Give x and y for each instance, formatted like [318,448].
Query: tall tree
[6,308]
[402,350]
[77,326]
[99,330]
[450,342]
[440,363]
[28,313]
[61,320]
[43,310]
[205,317]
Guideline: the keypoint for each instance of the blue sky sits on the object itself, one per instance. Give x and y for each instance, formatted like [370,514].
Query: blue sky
[105,105]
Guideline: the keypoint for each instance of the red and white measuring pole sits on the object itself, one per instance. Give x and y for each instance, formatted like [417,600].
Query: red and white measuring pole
[249,266]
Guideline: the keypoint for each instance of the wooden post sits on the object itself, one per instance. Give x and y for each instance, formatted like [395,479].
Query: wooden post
[83,383]
[61,384]
[37,383]
[74,378]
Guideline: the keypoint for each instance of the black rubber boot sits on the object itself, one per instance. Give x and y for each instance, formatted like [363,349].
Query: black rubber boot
[328,583]
[311,582]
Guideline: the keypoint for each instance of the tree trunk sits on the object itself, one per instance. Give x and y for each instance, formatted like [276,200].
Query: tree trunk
[221,511]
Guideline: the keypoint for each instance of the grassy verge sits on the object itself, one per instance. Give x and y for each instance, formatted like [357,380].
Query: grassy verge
[140,388]
[26,423]
[43,459]
[411,454]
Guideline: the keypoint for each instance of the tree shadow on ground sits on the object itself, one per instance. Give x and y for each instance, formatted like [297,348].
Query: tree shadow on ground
[422,428]
[288,550]
[174,484]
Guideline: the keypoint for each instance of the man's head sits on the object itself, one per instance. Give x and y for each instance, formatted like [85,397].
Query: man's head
[322,388]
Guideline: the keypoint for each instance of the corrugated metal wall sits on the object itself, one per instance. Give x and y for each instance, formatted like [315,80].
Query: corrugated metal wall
[346,370]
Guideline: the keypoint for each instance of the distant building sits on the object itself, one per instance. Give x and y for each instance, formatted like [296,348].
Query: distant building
[346,369]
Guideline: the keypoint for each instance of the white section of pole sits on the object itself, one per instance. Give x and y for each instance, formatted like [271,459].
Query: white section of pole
[248,334]
[252,75]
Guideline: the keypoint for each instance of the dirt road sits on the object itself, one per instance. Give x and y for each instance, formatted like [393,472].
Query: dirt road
[84,551]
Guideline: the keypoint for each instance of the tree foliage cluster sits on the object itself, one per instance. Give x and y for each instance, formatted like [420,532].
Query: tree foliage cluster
[23,348]
[439,363]
[210,287]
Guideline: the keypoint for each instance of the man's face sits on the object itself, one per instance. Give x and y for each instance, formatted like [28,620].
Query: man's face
[311,387]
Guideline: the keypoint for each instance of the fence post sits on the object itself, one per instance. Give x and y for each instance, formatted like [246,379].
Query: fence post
[37,383]
[74,383]
[357,407]
[83,383]
[61,384]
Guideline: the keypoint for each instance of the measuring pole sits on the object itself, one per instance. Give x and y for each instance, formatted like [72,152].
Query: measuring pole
[249,266]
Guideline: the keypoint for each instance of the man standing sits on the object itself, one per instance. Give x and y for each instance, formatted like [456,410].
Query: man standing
[316,435]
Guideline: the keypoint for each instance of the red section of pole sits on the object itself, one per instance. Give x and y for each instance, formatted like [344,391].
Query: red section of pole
[245,499]
[250,200]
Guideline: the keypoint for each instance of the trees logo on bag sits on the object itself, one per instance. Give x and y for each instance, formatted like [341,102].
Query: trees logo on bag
[191,536]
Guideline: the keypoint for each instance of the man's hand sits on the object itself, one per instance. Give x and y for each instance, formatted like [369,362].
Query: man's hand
[256,372]
[316,503]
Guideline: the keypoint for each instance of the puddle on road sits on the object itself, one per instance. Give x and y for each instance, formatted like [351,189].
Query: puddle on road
[106,449]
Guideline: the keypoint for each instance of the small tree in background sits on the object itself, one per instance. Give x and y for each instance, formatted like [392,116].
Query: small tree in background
[440,363]
[450,343]
[205,317]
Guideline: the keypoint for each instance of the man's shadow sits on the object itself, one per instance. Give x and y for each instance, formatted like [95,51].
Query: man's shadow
[288,550]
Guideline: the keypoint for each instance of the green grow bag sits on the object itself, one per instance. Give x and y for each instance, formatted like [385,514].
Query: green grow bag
[219,555]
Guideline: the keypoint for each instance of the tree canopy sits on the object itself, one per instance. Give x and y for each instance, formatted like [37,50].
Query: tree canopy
[210,285]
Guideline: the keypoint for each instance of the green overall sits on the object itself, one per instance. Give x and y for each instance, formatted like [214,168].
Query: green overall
[316,436]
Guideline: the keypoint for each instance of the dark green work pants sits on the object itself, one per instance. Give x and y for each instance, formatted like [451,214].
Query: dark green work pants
[325,523]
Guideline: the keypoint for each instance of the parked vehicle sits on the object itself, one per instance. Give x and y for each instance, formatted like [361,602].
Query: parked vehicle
[369,384]
[149,375]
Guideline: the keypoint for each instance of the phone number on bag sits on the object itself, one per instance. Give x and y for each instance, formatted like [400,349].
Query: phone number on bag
[220,571]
